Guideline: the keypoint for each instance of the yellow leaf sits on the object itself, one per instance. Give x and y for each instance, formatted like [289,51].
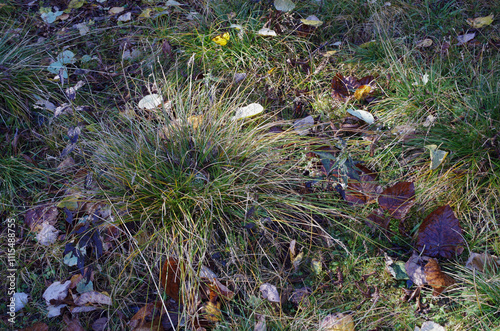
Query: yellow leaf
[362,92]
[437,156]
[212,312]
[146,13]
[270,71]
[425,43]
[312,21]
[480,22]
[221,39]
[75,4]
[195,120]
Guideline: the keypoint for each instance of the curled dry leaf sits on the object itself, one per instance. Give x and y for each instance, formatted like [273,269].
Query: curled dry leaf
[398,199]
[440,234]
[93,297]
[436,278]
[270,292]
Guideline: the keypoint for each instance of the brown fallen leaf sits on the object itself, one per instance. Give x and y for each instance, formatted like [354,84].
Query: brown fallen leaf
[147,318]
[170,278]
[364,190]
[440,234]
[72,324]
[436,278]
[398,199]
[483,262]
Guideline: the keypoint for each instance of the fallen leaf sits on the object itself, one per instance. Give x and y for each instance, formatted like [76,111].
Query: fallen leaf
[57,291]
[303,126]
[146,13]
[260,324]
[415,269]
[211,312]
[93,297]
[430,326]
[427,42]
[284,5]
[147,318]
[312,21]
[269,292]
[116,10]
[170,278]
[437,156]
[344,87]
[75,4]
[221,39]
[364,189]
[266,32]
[398,199]
[436,278]
[248,111]
[396,269]
[362,115]
[316,266]
[100,324]
[465,38]
[72,324]
[480,22]
[125,17]
[47,235]
[362,93]
[300,296]
[150,101]
[45,213]
[483,262]
[440,234]
[337,322]
[20,300]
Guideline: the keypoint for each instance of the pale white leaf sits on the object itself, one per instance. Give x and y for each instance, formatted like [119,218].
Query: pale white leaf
[269,292]
[20,300]
[362,115]
[430,326]
[125,17]
[303,126]
[150,101]
[51,17]
[47,235]
[266,32]
[284,5]
[56,291]
[248,111]
[83,28]
[116,10]
[53,311]
[414,268]
[464,38]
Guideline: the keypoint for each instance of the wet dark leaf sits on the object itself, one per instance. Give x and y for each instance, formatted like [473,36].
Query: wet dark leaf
[34,218]
[398,199]
[377,217]
[440,234]
[170,278]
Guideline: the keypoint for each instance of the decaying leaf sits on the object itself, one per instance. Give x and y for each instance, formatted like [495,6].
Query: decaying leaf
[94,298]
[260,324]
[116,10]
[440,234]
[396,269]
[269,292]
[430,326]
[337,322]
[47,235]
[343,88]
[211,312]
[480,22]
[436,278]
[398,199]
[424,43]
[364,190]
[303,126]
[300,296]
[415,269]
[53,295]
[35,217]
[362,93]
[465,38]
[483,262]
[38,326]
[147,318]
[72,323]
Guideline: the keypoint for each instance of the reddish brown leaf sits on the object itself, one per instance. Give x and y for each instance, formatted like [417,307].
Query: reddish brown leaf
[436,278]
[377,217]
[440,234]
[398,199]
[72,324]
[147,318]
[339,88]
[170,278]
